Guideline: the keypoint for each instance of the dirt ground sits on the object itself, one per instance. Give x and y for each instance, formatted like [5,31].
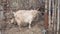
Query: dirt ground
[14,29]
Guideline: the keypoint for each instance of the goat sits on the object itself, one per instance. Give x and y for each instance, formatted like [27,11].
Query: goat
[25,16]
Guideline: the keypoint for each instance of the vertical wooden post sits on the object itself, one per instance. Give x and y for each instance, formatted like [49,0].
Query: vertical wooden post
[58,18]
[50,15]
[46,14]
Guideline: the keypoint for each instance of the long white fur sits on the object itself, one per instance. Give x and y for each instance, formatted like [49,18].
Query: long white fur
[25,16]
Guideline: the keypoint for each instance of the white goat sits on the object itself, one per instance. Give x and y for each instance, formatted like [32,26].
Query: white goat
[25,16]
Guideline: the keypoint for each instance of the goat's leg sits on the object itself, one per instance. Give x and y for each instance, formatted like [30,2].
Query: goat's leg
[29,25]
[19,26]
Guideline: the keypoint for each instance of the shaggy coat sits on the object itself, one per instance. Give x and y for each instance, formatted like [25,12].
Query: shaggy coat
[25,16]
